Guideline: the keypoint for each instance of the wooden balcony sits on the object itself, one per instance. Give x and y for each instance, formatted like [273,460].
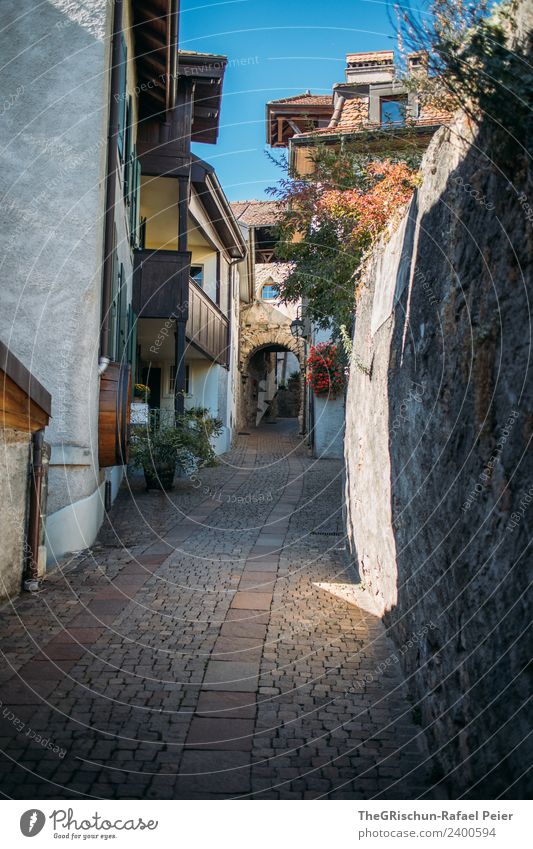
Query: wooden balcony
[207,327]
[160,284]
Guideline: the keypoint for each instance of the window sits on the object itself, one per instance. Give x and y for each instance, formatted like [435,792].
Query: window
[269,292]
[118,312]
[136,236]
[197,274]
[121,316]
[131,354]
[132,178]
[392,110]
[172,379]
[128,151]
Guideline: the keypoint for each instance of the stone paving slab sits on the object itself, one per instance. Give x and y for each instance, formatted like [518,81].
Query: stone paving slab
[226,704]
[252,601]
[234,675]
[212,733]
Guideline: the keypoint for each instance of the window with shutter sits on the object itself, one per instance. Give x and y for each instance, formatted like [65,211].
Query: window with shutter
[113,309]
[122,315]
[128,152]
[132,339]
[122,97]
[135,205]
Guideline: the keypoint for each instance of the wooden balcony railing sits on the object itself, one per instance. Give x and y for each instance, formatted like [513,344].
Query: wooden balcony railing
[207,327]
[160,284]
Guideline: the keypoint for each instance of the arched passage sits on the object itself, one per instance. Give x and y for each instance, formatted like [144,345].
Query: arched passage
[264,368]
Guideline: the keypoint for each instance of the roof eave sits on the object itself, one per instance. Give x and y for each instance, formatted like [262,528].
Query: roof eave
[217,206]
[372,132]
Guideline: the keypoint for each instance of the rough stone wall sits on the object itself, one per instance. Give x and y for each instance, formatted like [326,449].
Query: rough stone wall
[439,483]
[14,459]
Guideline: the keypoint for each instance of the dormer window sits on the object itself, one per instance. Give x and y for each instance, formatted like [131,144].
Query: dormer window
[392,110]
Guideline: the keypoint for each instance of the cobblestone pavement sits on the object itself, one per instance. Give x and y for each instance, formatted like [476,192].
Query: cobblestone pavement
[191,654]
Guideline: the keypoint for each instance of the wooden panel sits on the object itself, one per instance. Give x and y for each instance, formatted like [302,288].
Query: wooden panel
[207,326]
[17,410]
[114,415]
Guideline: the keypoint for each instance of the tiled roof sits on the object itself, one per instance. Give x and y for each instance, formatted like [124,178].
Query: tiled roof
[306,100]
[354,118]
[256,213]
[354,112]
[366,127]
[193,54]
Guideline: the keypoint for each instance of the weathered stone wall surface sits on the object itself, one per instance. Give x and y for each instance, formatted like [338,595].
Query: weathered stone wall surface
[14,454]
[439,483]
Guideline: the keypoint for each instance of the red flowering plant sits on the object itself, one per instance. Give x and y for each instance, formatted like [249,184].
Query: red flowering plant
[325,370]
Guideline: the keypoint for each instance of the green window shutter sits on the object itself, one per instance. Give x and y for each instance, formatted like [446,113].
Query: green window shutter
[122,315]
[113,310]
[137,200]
[128,152]
[132,339]
[135,206]
[122,96]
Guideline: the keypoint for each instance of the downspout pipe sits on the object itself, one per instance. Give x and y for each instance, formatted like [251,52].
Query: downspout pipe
[111,181]
[31,582]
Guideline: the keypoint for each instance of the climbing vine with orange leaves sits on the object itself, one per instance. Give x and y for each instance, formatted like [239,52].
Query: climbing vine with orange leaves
[371,210]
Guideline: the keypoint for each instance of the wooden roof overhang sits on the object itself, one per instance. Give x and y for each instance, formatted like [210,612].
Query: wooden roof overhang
[24,403]
[160,64]
[206,72]
[217,207]
[283,120]
[155,28]
[371,140]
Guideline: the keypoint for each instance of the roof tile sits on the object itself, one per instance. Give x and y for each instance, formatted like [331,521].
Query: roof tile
[256,213]
[306,100]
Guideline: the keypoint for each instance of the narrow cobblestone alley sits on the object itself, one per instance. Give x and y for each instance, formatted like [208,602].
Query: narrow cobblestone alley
[191,654]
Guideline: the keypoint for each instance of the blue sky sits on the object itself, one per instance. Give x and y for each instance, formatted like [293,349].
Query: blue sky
[279,48]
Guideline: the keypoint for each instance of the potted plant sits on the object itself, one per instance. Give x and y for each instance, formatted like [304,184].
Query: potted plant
[141,393]
[168,442]
[157,450]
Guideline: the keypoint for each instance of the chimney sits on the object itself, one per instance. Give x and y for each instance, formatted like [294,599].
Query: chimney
[366,68]
[417,63]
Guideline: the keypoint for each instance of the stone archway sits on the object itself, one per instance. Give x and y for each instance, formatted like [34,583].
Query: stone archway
[253,341]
